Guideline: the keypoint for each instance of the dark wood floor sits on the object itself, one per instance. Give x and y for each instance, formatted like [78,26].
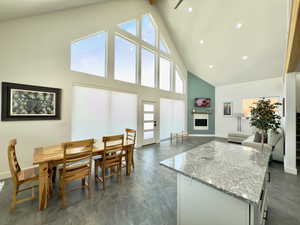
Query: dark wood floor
[148,197]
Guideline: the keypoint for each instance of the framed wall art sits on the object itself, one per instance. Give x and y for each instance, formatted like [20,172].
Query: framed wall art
[25,102]
[227,109]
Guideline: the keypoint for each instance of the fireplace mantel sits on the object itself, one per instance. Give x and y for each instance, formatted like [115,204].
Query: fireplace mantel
[201,113]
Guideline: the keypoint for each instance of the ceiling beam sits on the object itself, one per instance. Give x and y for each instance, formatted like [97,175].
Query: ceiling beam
[293,52]
[152,2]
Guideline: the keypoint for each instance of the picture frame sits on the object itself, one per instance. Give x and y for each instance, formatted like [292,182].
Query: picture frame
[228,109]
[22,102]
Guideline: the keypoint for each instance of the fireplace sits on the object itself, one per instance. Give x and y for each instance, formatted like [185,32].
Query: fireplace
[200,121]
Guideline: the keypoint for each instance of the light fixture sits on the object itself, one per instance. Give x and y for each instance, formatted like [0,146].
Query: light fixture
[238,25]
[211,66]
[201,42]
[190,9]
[245,57]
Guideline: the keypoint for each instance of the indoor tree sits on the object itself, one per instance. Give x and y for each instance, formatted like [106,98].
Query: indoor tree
[264,116]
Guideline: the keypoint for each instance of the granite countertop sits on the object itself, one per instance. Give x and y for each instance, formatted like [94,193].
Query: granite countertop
[234,169]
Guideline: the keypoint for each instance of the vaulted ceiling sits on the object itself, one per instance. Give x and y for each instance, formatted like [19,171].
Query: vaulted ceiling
[12,9]
[221,41]
[229,41]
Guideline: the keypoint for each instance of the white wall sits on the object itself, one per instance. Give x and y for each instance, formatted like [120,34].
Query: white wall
[35,51]
[236,93]
[290,124]
[298,92]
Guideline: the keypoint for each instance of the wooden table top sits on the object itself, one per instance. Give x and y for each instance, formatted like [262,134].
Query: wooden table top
[55,152]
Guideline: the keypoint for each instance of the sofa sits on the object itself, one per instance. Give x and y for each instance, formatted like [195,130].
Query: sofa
[275,143]
[237,137]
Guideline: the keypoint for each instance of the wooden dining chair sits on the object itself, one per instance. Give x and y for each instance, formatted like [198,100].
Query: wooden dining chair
[131,136]
[20,177]
[111,158]
[77,164]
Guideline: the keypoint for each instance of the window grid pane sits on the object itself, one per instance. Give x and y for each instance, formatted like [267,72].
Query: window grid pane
[129,27]
[163,47]
[165,74]
[148,108]
[125,60]
[89,55]
[148,30]
[148,116]
[148,126]
[178,83]
[147,68]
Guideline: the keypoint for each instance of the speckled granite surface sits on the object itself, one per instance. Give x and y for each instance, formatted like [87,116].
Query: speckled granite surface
[235,169]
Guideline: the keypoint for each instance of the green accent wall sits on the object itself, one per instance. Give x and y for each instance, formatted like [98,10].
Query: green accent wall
[198,88]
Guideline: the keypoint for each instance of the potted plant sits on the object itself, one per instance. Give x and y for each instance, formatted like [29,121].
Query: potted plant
[264,117]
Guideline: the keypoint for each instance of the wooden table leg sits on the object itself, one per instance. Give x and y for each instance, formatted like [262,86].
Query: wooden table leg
[43,185]
[129,162]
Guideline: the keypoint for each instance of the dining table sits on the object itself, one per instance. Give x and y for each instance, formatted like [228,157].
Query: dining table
[50,156]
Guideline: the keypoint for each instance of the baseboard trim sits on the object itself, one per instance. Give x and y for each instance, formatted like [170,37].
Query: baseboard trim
[202,135]
[5,175]
[291,170]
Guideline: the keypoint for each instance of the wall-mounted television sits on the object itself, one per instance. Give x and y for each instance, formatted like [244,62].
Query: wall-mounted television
[202,102]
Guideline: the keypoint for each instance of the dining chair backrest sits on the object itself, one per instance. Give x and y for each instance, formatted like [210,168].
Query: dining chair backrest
[130,135]
[13,161]
[78,152]
[113,149]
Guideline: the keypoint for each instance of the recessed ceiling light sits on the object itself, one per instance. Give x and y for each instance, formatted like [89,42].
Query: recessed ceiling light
[201,42]
[245,57]
[238,25]
[211,66]
[190,9]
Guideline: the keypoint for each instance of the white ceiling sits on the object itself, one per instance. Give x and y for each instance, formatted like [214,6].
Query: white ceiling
[12,9]
[262,37]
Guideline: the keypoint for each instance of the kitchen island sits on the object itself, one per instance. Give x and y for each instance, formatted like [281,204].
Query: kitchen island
[221,184]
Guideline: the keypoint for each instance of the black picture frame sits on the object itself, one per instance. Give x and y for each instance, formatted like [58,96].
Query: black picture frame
[6,102]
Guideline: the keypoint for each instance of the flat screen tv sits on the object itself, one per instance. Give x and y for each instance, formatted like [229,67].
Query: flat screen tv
[202,102]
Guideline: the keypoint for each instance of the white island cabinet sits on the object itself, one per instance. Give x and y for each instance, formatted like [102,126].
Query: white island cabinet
[221,184]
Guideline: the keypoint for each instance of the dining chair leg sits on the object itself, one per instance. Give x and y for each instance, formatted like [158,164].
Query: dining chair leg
[63,196]
[83,182]
[120,173]
[132,158]
[103,178]
[96,170]
[54,171]
[14,199]
[33,193]
[89,187]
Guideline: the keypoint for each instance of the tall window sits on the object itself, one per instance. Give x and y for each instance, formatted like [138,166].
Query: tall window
[129,27]
[148,30]
[179,87]
[141,55]
[170,111]
[125,60]
[89,55]
[164,74]
[147,68]
[105,117]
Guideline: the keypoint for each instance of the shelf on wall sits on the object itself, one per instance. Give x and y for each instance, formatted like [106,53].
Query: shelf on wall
[202,112]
